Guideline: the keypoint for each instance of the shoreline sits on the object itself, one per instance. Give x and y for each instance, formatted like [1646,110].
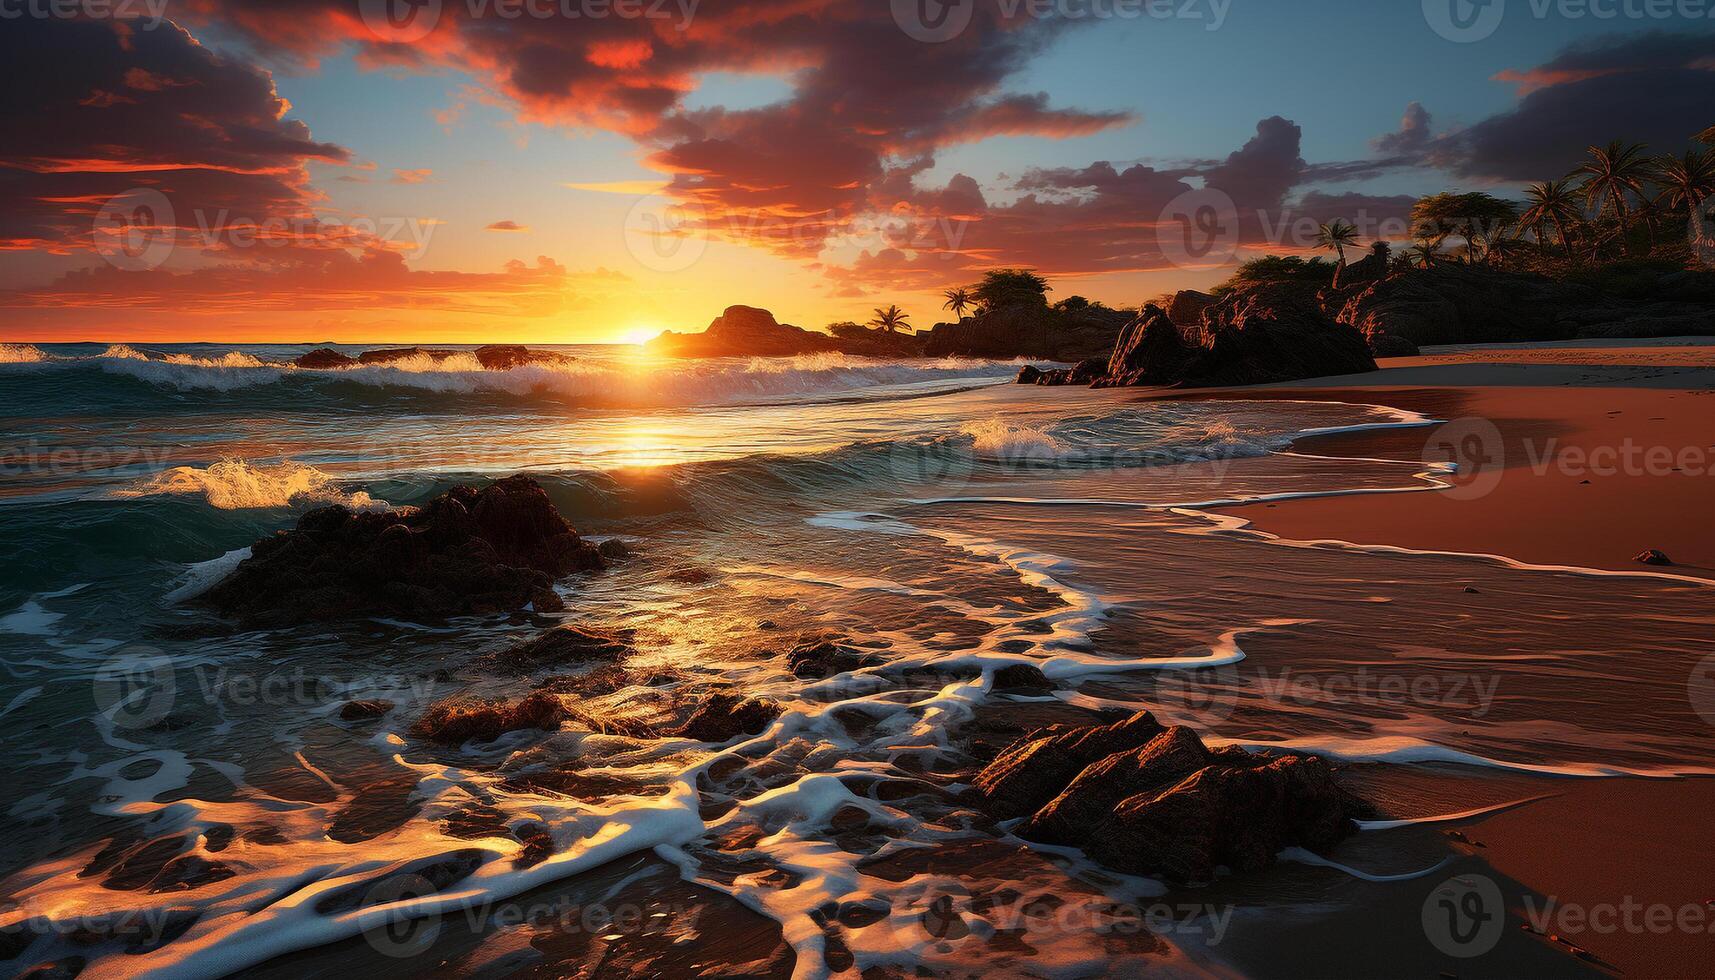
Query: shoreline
[1591,847]
[1590,456]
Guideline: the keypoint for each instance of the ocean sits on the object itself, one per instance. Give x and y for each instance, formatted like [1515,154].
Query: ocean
[176,778]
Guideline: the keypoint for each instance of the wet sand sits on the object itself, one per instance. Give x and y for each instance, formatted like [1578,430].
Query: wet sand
[1612,867]
[1596,454]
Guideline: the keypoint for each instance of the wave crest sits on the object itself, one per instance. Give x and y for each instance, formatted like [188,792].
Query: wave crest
[235,484]
[21,354]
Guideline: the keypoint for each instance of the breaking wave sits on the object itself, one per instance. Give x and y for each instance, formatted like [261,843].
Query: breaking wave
[235,484]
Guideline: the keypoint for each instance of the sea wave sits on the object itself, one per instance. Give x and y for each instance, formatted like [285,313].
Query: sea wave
[21,354]
[236,484]
[606,380]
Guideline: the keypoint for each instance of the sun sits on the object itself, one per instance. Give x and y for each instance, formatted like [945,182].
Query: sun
[640,335]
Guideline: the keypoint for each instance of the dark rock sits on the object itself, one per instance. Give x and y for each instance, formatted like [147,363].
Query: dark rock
[1265,334]
[391,355]
[574,644]
[1460,303]
[613,549]
[324,358]
[1022,779]
[1149,801]
[468,552]
[504,357]
[1187,306]
[745,331]
[364,710]
[1085,372]
[1029,374]
[455,722]
[1021,677]
[1036,331]
[816,659]
[1653,557]
[1387,345]
[724,716]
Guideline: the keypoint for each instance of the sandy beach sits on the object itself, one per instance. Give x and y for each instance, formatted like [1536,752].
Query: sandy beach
[1604,452]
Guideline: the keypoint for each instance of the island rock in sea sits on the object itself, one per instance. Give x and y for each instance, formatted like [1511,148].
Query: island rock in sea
[467,552]
[493,357]
[746,331]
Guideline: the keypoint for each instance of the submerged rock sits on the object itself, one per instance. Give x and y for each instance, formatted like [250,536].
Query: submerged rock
[365,710]
[818,658]
[456,722]
[1653,557]
[724,716]
[1149,800]
[468,552]
[573,644]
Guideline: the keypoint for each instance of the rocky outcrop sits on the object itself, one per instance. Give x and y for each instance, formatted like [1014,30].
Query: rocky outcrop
[1030,330]
[1456,303]
[1085,372]
[815,659]
[1149,800]
[467,552]
[1266,334]
[1187,306]
[493,357]
[564,646]
[325,358]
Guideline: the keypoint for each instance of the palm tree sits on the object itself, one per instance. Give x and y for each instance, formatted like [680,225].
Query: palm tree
[1707,136]
[958,300]
[890,319]
[1424,254]
[1337,236]
[1687,183]
[1613,172]
[1551,201]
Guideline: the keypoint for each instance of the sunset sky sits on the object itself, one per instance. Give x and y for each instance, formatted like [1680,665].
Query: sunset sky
[600,172]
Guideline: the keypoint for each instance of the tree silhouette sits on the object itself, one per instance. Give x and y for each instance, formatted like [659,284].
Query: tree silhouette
[1336,236]
[1611,174]
[958,300]
[890,319]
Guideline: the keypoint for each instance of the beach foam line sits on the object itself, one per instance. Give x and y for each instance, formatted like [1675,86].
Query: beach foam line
[1303,856]
[1404,749]
[236,484]
[1446,817]
[1229,523]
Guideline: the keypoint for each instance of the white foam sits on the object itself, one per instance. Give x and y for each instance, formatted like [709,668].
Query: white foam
[21,354]
[236,484]
[201,576]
